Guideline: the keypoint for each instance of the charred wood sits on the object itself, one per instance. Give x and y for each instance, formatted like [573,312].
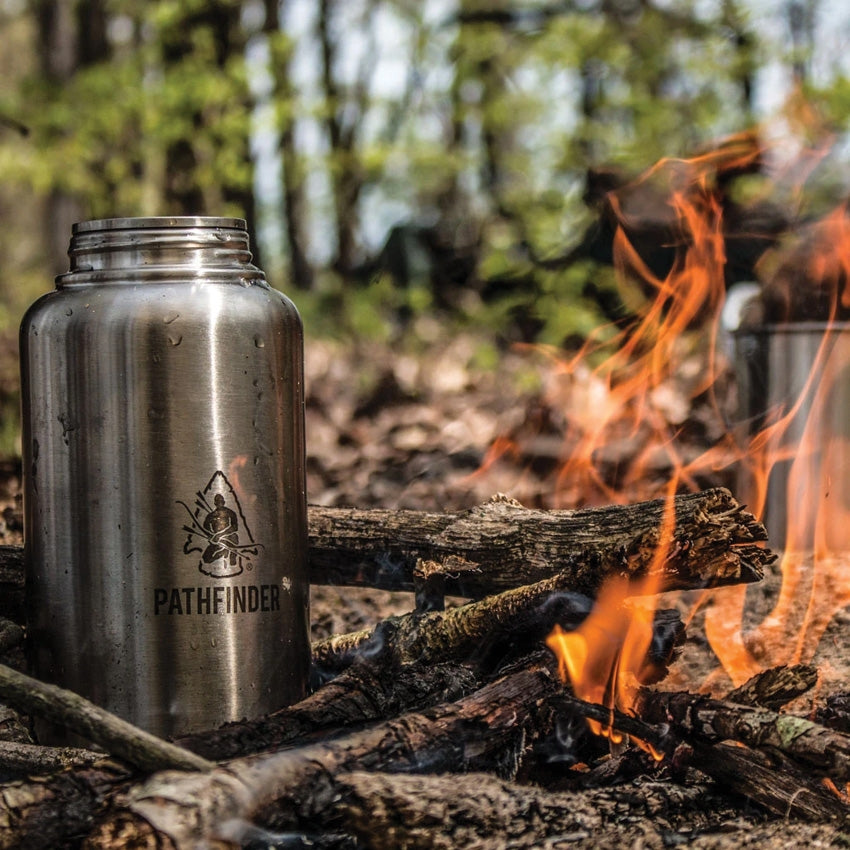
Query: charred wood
[701,719]
[362,694]
[485,632]
[28,809]
[485,731]
[715,542]
[53,811]
[775,687]
[783,789]
[783,784]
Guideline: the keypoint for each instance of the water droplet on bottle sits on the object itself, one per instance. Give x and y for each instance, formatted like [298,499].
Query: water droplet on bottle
[171,317]
[175,339]
[259,341]
[193,644]
[69,312]
[213,642]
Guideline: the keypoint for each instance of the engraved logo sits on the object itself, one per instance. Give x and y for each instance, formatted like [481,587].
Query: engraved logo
[218,530]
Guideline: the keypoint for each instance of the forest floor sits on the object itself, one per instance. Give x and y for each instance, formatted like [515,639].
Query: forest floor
[391,428]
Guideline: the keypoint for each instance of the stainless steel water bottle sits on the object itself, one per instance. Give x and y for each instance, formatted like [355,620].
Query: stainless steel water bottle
[165,505]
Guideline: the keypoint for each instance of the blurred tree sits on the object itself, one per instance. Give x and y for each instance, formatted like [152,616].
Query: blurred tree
[458,148]
[294,206]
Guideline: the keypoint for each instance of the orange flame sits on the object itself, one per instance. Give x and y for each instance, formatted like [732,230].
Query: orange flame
[605,658]
[624,398]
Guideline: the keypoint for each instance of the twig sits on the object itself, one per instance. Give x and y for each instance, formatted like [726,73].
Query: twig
[35,760]
[120,738]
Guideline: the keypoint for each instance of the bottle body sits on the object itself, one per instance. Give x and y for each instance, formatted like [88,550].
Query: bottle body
[165,506]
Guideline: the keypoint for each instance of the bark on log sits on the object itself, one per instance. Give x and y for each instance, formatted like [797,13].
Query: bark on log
[43,814]
[512,621]
[775,687]
[714,543]
[360,695]
[486,730]
[477,810]
[701,719]
[22,759]
[504,545]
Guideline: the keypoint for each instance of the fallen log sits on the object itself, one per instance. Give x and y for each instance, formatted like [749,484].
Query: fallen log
[485,731]
[388,811]
[504,545]
[501,545]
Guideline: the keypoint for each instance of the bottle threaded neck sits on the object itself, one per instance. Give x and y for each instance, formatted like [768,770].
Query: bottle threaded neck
[100,250]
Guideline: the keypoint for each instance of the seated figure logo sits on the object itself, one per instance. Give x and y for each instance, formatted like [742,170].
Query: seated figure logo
[217,529]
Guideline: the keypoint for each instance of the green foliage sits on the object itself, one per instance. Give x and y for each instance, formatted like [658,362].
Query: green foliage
[502,110]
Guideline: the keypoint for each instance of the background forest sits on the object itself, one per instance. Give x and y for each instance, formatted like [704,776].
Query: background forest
[394,158]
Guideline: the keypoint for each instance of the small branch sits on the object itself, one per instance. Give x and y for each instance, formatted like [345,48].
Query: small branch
[35,760]
[123,740]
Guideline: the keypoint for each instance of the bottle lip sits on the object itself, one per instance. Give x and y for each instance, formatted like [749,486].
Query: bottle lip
[158,222]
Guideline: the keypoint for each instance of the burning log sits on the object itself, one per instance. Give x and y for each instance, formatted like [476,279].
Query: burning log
[700,718]
[773,770]
[514,619]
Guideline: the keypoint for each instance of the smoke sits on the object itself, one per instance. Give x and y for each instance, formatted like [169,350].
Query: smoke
[251,836]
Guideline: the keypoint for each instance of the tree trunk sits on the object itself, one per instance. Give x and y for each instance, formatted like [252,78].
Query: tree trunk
[284,95]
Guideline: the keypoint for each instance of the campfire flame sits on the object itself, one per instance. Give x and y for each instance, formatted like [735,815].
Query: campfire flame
[617,389]
[606,658]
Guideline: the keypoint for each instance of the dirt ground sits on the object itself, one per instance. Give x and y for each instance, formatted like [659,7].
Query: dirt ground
[386,428]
